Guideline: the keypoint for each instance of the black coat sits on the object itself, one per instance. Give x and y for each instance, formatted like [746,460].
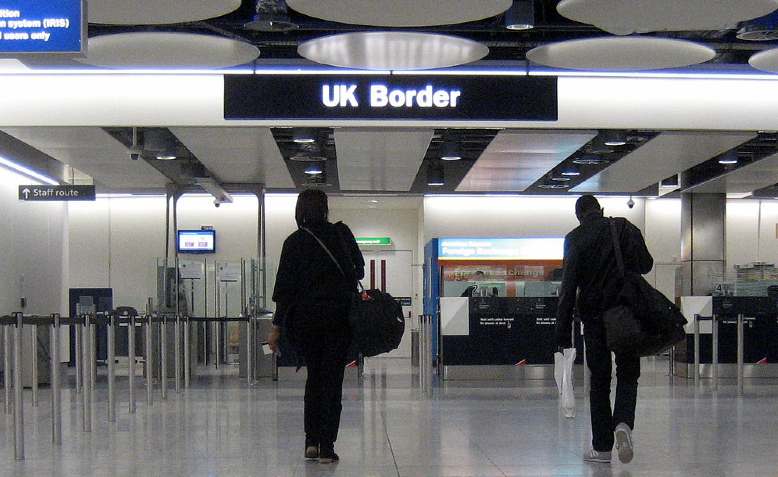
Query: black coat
[308,281]
[590,268]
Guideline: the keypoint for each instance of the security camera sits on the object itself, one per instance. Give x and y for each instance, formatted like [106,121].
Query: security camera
[135,152]
[630,203]
[217,203]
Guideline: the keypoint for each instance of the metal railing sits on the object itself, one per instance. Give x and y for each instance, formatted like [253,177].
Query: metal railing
[740,366]
[426,362]
[86,361]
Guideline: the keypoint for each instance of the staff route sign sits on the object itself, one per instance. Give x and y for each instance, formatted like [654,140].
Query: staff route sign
[61,193]
[33,27]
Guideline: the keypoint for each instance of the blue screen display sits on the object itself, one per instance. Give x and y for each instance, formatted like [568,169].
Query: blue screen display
[196,241]
[41,26]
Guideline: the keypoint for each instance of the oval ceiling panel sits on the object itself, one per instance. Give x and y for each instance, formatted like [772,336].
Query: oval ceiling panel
[160,49]
[157,12]
[401,13]
[392,50]
[624,17]
[621,53]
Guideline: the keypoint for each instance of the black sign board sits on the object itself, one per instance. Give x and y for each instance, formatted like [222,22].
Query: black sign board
[404,300]
[377,97]
[49,193]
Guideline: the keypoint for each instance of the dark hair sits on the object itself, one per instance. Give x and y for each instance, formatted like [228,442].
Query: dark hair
[311,208]
[586,205]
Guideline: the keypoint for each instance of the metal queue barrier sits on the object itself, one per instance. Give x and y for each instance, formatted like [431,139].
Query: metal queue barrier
[426,362]
[86,362]
[755,323]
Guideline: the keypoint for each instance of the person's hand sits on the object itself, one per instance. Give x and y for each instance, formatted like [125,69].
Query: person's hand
[563,341]
[273,339]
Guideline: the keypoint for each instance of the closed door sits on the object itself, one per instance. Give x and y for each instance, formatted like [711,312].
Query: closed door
[391,271]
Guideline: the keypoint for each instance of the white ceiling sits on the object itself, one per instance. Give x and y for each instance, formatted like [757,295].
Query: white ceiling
[380,159]
[238,154]
[746,179]
[661,157]
[516,159]
[93,151]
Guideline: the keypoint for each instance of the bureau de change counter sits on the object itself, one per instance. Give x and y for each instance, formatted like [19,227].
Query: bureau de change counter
[510,338]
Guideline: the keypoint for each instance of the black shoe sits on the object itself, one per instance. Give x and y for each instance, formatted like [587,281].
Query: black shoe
[327,455]
[311,449]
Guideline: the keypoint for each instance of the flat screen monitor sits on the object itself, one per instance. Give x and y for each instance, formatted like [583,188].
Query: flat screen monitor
[196,241]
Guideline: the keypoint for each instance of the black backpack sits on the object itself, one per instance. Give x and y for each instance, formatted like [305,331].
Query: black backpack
[376,319]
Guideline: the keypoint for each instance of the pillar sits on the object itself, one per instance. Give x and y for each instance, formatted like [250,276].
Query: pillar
[703,242]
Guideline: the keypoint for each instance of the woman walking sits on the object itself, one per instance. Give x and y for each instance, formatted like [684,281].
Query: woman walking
[317,279]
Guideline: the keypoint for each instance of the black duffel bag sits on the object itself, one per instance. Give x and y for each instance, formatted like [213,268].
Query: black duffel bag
[377,323]
[376,319]
[643,321]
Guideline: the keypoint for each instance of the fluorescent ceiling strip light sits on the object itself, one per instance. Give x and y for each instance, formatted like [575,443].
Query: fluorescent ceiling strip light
[462,72]
[27,172]
[647,74]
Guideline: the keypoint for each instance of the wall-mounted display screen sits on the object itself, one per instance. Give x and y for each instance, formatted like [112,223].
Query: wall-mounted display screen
[196,241]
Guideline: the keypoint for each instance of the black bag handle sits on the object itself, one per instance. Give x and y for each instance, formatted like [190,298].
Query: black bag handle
[617,247]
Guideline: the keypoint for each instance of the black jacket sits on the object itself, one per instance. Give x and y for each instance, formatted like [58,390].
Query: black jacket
[590,268]
[308,279]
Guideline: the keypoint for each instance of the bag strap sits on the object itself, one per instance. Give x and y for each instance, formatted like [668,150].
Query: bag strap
[326,249]
[617,247]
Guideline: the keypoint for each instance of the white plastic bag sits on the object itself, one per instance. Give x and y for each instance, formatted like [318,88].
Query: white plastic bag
[563,374]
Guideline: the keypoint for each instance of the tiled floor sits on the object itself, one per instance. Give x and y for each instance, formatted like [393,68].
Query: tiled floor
[222,427]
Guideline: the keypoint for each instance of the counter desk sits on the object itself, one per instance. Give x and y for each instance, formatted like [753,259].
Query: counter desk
[500,338]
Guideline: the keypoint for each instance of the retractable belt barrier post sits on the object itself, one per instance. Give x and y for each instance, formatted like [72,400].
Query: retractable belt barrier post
[740,352]
[7,368]
[131,353]
[187,353]
[177,350]
[696,350]
[163,356]
[34,363]
[249,355]
[86,416]
[149,351]
[92,361]
[56,405]
[18,385]
[112,368]
[715,350]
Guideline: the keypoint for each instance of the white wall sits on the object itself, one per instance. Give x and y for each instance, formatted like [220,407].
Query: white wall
[31,258]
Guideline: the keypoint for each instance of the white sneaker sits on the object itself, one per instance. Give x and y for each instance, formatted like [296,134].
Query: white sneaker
[624,443]
[597,457]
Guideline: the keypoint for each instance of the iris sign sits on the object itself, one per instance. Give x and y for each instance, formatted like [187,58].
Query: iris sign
[42,27]
[501,248]
[452,98]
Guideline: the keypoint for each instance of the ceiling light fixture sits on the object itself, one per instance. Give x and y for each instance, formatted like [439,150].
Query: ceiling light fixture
[435,176]
[589,160]
[303,136]
[27,172]
[571,171]
[271,15]
[521,15]
[449,151]
[167,156]
[554,186]
[613,138]
[729,158]
[314,170]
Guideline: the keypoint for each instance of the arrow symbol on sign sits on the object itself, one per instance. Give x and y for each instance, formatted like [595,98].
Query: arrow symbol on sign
[26,193]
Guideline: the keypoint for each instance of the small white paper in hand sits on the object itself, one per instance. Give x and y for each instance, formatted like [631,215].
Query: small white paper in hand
[568,395]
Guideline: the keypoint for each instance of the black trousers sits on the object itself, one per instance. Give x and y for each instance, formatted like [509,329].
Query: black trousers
[598,358]
[324,345]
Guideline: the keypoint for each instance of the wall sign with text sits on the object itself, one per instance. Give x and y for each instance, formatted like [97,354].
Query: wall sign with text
[42,27]
[60,193]
[452,98]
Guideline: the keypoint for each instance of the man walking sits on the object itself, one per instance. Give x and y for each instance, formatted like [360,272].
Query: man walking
[590,268]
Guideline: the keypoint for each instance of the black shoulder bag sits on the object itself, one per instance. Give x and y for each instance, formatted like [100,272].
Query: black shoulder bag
[643,321]
[376,319]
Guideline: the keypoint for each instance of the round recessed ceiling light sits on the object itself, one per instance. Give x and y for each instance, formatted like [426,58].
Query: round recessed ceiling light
[157,12]
[401,13]
[304,136]
[729,158]
[624,17]
[560,179]
[314,170]
[449,151]
[554,186]
[392,50]
[163,49]
[166,157]
[621,53]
